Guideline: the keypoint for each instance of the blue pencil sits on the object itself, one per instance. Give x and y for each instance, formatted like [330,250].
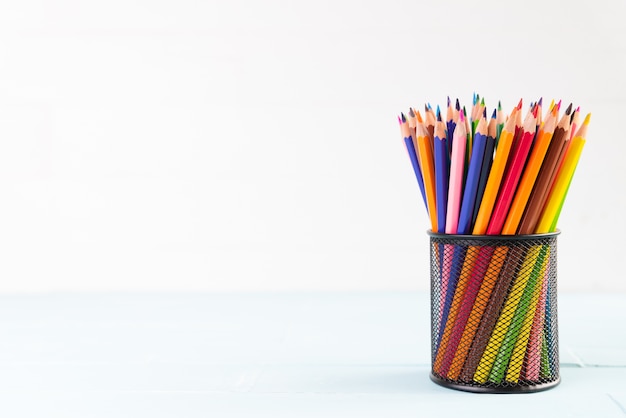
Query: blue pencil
[450,125]
[442,171]
[473,176]
[486,165]
[455,272]
[410,147]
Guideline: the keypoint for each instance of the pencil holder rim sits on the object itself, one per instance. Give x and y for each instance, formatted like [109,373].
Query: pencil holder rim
[494,237]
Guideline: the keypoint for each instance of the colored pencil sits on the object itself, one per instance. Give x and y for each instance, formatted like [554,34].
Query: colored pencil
[441,174]
[495,178]
[531,171]
[551,212]
[518,160]
[456,176]
[410,147]
[485,166]
[450,125]
[456,255]
[545,178]
[473,176]
[499,122]
[532,362]
[428,172]
[575,124]
[429,121]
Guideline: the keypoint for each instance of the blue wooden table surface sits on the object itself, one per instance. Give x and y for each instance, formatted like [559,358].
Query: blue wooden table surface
[276,355]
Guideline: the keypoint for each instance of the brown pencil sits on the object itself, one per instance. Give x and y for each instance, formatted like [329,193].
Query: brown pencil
[546,176]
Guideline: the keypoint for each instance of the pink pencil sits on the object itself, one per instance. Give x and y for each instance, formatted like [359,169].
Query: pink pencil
[456,175]
[454,201]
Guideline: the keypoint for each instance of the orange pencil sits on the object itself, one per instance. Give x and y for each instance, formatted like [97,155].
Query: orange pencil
[428,171]
[530,175]
[495,177]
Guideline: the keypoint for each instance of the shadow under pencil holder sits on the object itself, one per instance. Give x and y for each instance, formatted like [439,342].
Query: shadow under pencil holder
[494,312]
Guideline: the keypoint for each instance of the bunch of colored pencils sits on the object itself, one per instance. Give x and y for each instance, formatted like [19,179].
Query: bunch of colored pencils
[495,176]
[508,175]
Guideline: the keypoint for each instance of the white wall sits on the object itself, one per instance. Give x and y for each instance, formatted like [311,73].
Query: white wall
[246,145]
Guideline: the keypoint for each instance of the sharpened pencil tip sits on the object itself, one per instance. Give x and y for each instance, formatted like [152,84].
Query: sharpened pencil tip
[540,101]
[462,115]
[411,112]
[519,105]
[586,122]
[569,109]
[499,105]
[482,101]
[448,101]
[403,117]
[438,113]
[458,105]
[484,112]
[558,105]
[493,115]
[399,120]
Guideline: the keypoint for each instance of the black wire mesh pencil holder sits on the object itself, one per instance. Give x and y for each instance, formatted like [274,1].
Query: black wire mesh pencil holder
[494,312]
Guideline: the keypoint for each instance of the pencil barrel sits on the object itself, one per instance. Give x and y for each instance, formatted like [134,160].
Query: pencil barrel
[494,321]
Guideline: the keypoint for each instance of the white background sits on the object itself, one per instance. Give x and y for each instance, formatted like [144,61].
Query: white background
[253,145]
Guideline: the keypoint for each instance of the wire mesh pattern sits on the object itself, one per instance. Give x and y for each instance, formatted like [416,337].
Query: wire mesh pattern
[494,312]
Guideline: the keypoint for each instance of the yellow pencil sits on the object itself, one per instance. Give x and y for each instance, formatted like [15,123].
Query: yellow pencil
[550,213]
[519,351]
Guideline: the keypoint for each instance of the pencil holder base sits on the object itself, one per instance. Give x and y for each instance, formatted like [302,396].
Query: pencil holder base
[494,312]
[469,387]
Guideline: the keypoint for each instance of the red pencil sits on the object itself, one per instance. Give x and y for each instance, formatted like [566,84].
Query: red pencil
[517,162]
